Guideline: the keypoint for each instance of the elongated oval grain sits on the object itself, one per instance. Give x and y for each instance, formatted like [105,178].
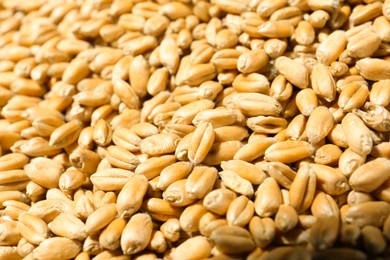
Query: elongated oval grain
[373,69]
[267,124]
[172,173]
[160,144]
[100,218]
[209,222]
[276,29]
[201,180]
[57,248]
[379,93]
[328,154]
[44,171]
[48,209]
[252,61]
[330,180]
[127,139]
[281,172]
[294,72]
[263,230]
[32,228]
[77,70]
[171,229]
[226,59]
[201,142]
[11,176]
[237,183]
[65,134]
[198,247]
[131,195]
[144,129]
[69,226]
[368,213]
[160,210]
[240,211]
[218,200]
[358,137]
[110,178]
[110,236]
[169,54]
[286,218]
[246,170]
[288,151]
[126,93]
[330,49]
[217,117]
[253,82]
[158,81]
[268,198]
[136,234]
[201,54]
[222,152]
[280,89]
[232,239]
[253,150]
[121,158]
[319,124]
[46,125]
[177,195]
[303,188]
[253,104]
[191,216]
[370,175]
[152,167]
[139,75]
[353,96]
[306,101]
[199,73]
[324,205]
[322,82]
[84,160]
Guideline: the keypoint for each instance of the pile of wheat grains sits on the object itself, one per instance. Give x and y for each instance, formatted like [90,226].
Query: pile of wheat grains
[194,129]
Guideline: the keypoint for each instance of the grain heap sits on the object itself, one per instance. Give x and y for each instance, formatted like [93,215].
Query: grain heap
[194,129]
